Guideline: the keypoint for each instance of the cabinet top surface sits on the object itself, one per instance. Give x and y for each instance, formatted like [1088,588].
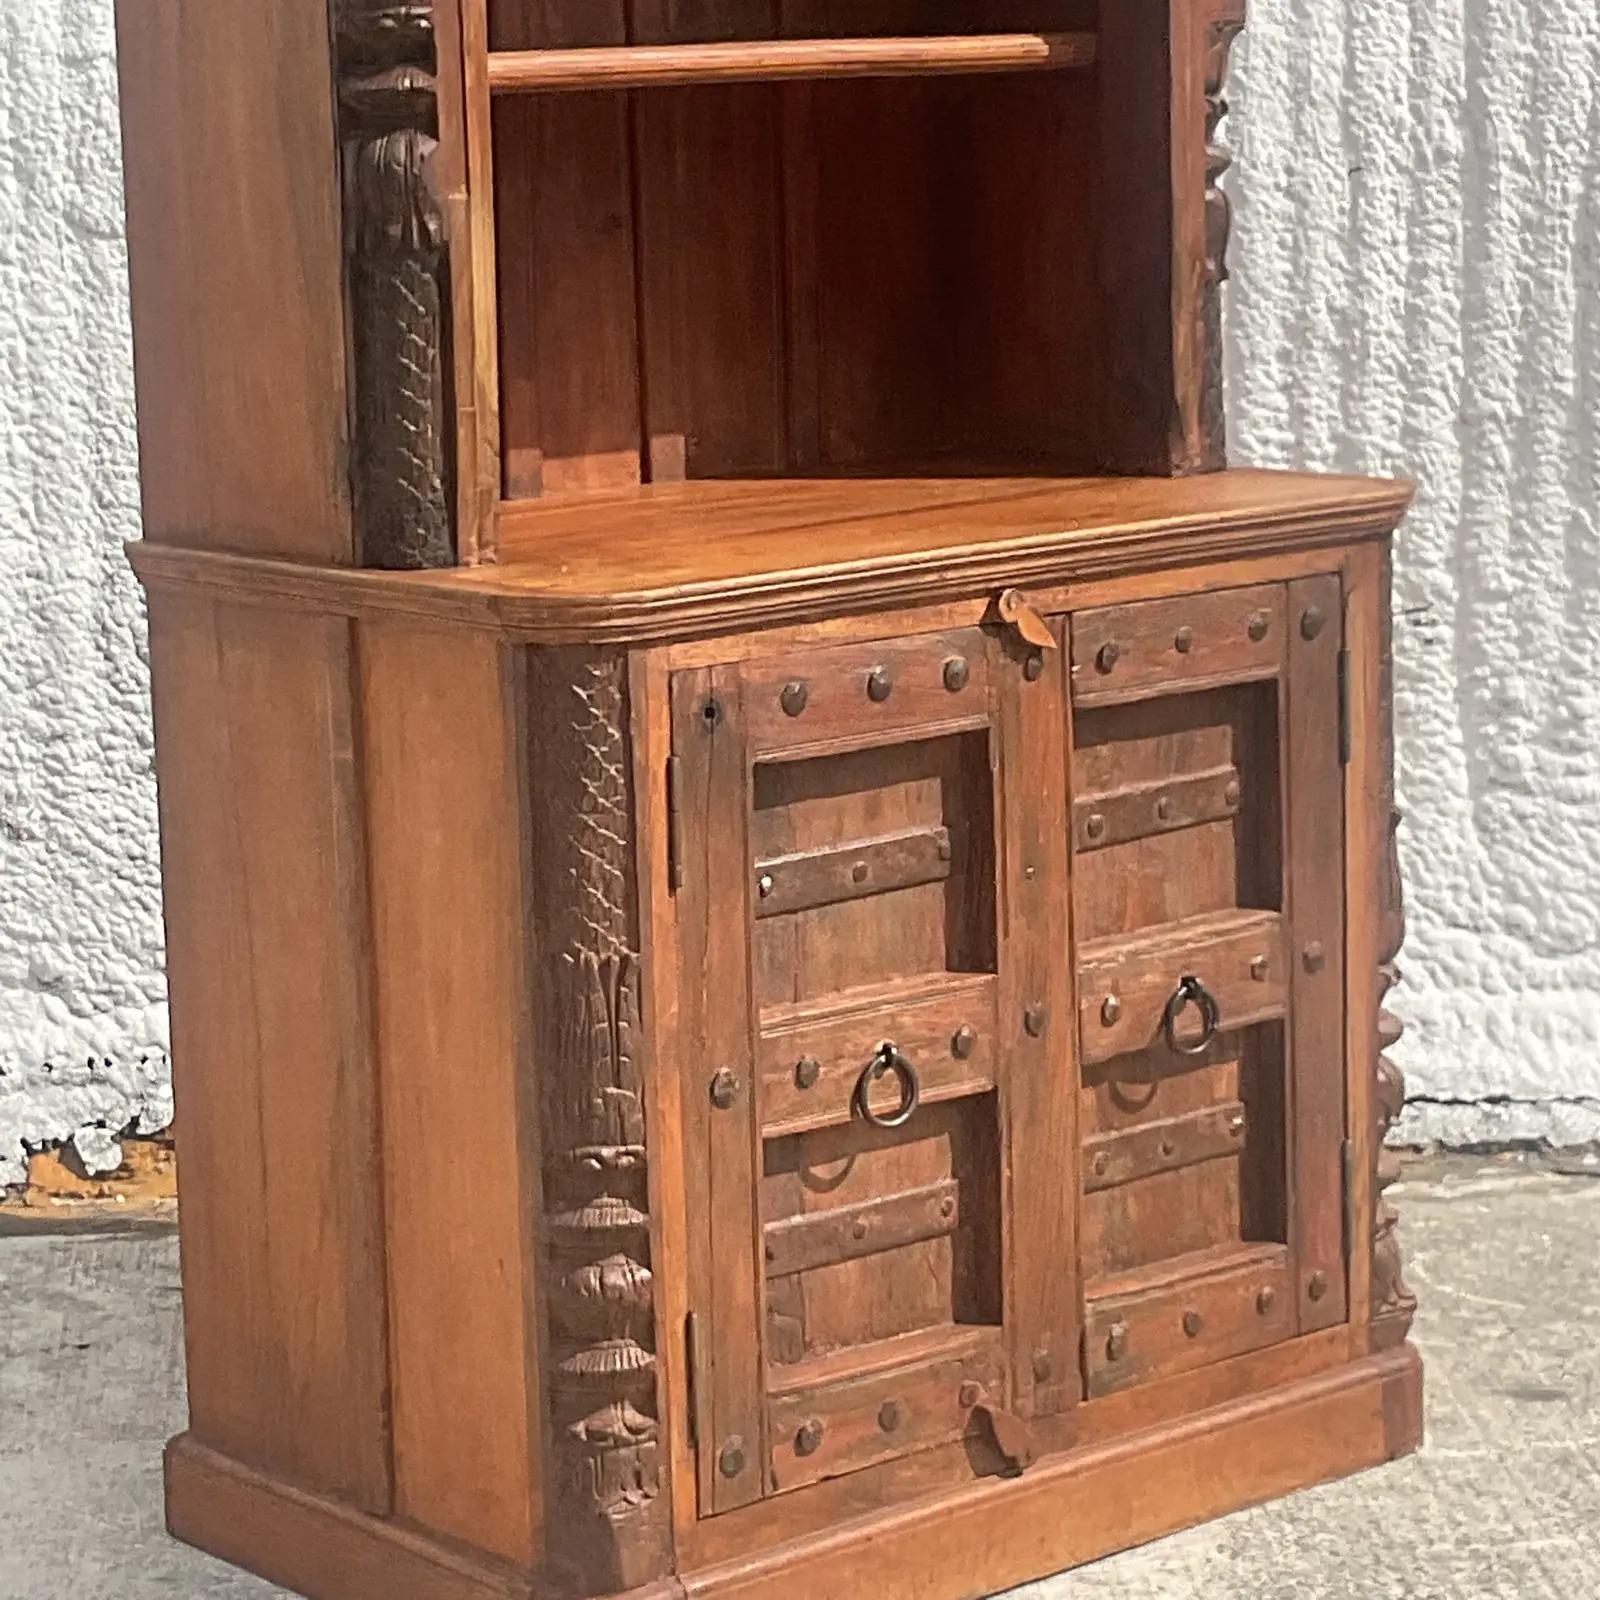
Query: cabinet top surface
[670,560]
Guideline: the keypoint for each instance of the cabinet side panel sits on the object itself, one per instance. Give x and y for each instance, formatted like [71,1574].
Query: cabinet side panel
[439,737]
[235,264]
[263,869]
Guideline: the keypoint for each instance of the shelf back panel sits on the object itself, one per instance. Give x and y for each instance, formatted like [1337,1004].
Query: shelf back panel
[857,277]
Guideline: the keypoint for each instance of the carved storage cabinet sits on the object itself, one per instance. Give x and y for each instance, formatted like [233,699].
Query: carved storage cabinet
[779,886]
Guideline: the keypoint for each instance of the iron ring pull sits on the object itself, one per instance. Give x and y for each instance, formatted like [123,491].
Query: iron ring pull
[1191,991]
[889,1058]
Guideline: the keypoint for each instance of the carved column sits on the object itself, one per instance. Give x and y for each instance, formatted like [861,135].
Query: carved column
[394,246]
[1221,28]
[605,1510]
[1393,1304]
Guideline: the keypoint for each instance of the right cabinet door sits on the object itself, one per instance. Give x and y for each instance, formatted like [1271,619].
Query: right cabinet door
[1208,888]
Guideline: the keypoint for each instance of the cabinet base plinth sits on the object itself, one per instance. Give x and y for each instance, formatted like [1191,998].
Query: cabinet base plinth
[987,1536]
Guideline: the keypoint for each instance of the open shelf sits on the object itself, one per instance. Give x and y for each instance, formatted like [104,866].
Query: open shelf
[649,66]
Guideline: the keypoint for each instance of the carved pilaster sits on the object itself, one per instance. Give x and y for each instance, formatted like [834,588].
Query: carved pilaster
[1393,1304]
[394,247]
[606,1512]
[1222,27]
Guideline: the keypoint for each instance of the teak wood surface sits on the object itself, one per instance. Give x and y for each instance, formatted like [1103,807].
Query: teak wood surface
[710,558]
[1203,1202]
[842,914]
[645,66]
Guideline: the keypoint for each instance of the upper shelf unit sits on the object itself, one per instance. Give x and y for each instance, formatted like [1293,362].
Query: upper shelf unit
[771,60]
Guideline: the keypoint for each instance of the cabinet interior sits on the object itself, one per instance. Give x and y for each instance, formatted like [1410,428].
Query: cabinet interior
[867,276]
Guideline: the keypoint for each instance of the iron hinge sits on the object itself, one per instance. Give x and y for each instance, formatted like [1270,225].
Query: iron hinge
[1343,670]
[675,822]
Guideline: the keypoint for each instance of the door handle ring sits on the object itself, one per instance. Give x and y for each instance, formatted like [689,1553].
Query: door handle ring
[1191,991]
[888,1058]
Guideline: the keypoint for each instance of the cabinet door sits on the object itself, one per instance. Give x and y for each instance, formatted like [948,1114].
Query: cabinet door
[1207,830]
[876,1075]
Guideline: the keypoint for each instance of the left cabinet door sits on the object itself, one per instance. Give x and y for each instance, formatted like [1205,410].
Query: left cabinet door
[852,1015]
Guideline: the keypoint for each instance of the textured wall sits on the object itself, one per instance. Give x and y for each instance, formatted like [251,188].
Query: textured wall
[1416,287]
[82,1019]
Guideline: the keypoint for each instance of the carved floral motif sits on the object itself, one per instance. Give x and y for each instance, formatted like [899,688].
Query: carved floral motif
[1220,32]
[1393,1304]
[394,244]
[607,1514]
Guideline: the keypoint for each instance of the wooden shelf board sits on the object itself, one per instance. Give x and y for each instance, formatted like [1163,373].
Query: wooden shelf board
[769,60]
[678,560]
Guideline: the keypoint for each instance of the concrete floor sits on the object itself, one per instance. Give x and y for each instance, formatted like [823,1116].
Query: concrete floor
[1503,1501]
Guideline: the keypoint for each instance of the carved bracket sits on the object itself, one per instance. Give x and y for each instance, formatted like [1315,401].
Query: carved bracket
[606,1512]
[1393,1304]
[1221,28]
[394,235]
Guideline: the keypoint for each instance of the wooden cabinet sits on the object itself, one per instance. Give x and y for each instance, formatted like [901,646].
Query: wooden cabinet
[779,889]
[914,1005]
[864,868]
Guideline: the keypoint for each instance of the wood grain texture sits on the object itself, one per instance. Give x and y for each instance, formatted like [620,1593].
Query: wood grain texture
[1085,1504]
[1189,1313]
[875,1416]
[565,250]
[1164,262]
[313,1544]
[678,560]
[772,849]
[819,1238]
[1176,646]
[1163,1145]
[878,1489]
[234,247]
[904,859]
[463,175]
[263,857]
[1237,955]
[927,1022]
[1154,806]
[1314,818]
[868,692]
[439,740]
[726,1284]
[1036,1034]
[650,66]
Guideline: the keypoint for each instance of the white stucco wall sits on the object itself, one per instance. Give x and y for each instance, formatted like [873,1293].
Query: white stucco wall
[82,1016]
[1416,287]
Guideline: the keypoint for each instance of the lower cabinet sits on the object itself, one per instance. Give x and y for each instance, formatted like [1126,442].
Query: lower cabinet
[1010,1006]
